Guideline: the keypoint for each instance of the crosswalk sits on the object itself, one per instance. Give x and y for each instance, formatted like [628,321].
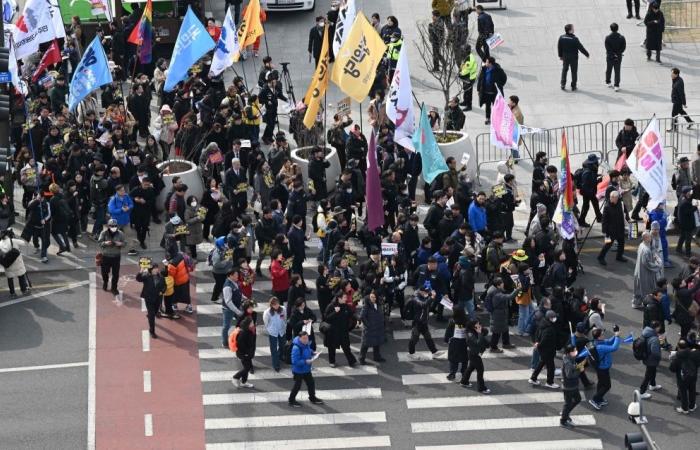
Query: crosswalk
[406,402]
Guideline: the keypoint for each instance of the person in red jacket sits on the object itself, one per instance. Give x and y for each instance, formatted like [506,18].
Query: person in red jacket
[280,277]
[246,278]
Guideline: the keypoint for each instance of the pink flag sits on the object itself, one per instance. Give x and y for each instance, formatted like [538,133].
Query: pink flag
[373,189]
[502,124]
[603,185]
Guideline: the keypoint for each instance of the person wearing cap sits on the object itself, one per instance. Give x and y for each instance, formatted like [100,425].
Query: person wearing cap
[546,344]
[605,348]
[681,177]
[436,36]
[589,188]
[686,220]
[316,40]
[418,310]
[268,97]
[111,241]
[454,117]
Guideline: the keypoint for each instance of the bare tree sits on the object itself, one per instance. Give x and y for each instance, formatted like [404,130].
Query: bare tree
[443,52]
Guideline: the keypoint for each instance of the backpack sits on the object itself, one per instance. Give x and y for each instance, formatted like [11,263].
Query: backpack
[233,339]
[578,177]
[189,262]
[593,356]
[639,348]
[588,320]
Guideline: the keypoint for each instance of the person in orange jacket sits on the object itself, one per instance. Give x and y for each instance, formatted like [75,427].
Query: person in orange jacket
[180,271]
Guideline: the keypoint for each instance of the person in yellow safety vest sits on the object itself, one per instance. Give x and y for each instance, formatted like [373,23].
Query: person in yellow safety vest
[392,52]
[467,74]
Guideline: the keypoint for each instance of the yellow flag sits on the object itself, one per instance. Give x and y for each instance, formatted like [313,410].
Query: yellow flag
[319,84]
[356,62]
[250,27]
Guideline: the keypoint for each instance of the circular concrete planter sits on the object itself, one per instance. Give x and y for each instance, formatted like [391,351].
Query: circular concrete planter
[189,175]
[457,148]
[332,173]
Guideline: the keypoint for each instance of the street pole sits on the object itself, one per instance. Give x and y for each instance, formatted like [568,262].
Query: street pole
[8,182]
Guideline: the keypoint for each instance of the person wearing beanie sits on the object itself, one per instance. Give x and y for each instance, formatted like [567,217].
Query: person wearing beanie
[546,344]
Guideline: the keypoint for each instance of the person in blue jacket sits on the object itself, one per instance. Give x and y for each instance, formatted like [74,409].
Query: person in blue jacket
[477,214]
[119,207]
[302,358]
[605,348]
[659,221]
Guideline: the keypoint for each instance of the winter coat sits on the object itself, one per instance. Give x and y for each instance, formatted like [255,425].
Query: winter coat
[652,311]
[194,226]
[296,322]
[655,23]
[178,270]
[153,286]
[300,354]
[280,277]
[417,309]
[16,269]
[456,338]
[686,361]
[339,333]
[569,47]
[570,374]
[499,316]
[476,343]
[684,298]
[111,250]
[653,347]
[678,91]
[246,344]
[614,221]
[605,348]
[372,317]
[646,271]
[547,339]
[115,209]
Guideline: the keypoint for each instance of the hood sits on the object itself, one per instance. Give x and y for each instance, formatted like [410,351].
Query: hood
[440,259]
[648,332]
[297,341]
[220,242]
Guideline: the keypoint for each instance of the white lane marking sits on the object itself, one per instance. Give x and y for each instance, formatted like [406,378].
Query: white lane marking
[564,444]
[148,424]
[294,420]
[286,374]
[48,293]
[46,367]
[309,263]
[400,335]
[145,341]
[260,287]
[485,400]
[207,332]
[507,423]
[143,305]
[491,375]
[92,353]
[146,381]
[307,444]
[260,307]
[283,396]
[216,353]
[518,352]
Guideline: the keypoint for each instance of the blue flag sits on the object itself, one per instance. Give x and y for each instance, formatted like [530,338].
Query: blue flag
[629,339]
[426,145]
[91,73]
[192,43]
[583,353]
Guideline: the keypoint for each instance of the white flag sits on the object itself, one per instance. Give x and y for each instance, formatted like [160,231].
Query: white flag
[102,7]
[17,82]
[647,164]
[227,47]
[40,22]
[346,17]
[399,105]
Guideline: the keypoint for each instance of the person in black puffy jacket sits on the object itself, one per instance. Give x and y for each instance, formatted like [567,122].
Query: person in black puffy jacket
[245,352]
[476,344]
[546,343]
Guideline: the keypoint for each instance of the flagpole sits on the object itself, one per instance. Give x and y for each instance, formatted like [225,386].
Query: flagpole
[325,104]
[267,48]
[361,128]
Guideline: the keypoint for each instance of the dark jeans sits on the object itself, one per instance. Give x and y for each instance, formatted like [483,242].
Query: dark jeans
[641,203]
[219,280]
[310,385]
[375,350]
[620,247]
[566,65]
[592,200]
[270,122]
[571,399]
[477,364]
[496,336]
[152,307]
[649,378]
[678,110]
[99,220]
[482,48]
[613,64]
[687,390]
[23,284]
[416,332]
[243,373]
[658,54]
[110,263]
[141,232]
[629,8]
[685,239]
[346,350]
[454,367]
[545,361]
[604,385]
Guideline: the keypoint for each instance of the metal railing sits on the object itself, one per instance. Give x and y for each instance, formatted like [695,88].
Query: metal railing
[681,14]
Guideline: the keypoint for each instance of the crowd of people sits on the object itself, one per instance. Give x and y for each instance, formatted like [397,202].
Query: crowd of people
[101,165]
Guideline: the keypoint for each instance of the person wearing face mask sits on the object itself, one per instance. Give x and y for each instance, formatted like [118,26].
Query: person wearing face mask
[193,219]
[546,345]
[111,242]
[152,294]
[316,40]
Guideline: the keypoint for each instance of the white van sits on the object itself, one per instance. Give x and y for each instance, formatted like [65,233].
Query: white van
[288,5]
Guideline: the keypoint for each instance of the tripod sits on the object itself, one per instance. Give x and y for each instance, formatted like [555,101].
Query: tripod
[287,82]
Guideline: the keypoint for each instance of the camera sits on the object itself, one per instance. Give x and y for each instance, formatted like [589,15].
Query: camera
[284,64]
[616,328]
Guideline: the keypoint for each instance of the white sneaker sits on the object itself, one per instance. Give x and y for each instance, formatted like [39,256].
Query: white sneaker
[439,355]
[646,395]
[557,372]
[551,386]
[681,410]
[533,382]
[655,387]
[247,385]
[616,88]
[188,309]
[609,85]
[412,357]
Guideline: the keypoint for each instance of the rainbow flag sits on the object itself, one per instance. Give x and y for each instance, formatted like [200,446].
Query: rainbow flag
[567,224]
[142,34]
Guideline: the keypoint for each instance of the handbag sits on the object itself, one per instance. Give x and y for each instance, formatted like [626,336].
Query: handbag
[8,258]
[98,259]
[324,327]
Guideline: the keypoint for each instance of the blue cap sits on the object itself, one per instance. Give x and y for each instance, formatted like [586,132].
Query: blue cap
[220,242]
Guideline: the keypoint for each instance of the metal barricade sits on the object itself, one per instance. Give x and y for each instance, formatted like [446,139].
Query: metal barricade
[681,14]
[581,139]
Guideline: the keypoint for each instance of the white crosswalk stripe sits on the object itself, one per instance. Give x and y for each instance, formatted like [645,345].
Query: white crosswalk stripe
[286,374]
[310,444]
[283,396]
[295,420]
[206,332]
[400,335]
[485,400]
[215,309]
[517,352]
[507,423]
[259,287]
[491,375]
[309,263]
[216,353]
[564,444]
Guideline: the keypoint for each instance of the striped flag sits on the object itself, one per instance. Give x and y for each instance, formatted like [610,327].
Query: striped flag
[142,35]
